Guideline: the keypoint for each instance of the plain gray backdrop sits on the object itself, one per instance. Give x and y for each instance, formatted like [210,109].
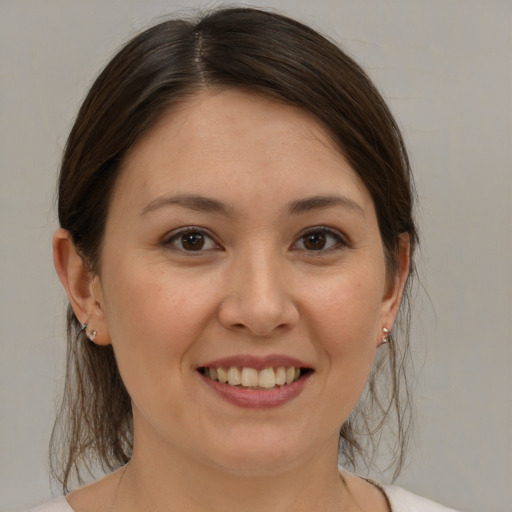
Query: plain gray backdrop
[444,66]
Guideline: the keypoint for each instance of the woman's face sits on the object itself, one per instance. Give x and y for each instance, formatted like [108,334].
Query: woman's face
[240,244]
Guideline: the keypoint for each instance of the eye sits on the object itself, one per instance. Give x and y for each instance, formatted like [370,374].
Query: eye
[319,239]
[191,240]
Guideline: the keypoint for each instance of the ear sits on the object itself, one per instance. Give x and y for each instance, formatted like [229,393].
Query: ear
[395,287]
[82,287]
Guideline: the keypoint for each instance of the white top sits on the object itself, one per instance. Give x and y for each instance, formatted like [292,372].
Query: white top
[405,501]
[59,504]
[399,499]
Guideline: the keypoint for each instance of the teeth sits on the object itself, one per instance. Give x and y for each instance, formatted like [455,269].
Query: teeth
[280,376]
[221,375]
[249,377]
[234,377]
[267,378]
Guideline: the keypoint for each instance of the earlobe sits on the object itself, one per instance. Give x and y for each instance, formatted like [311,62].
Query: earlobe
[81,287]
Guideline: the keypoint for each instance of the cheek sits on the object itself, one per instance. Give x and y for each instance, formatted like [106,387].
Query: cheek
[345,320]
[154,319]
[347,312]
[151,299]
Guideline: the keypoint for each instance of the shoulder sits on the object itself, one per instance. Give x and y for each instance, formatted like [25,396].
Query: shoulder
[96,496]
[405,501]
[59,504]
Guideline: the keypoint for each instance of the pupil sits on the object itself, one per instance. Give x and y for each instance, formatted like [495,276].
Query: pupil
[315,242]
[192,241]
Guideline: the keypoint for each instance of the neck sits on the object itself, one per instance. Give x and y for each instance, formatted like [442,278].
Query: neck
[153,481]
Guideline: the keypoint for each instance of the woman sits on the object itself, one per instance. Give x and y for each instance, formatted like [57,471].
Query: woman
[236,241]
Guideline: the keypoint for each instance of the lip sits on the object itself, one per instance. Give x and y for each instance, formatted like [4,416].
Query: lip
[259,363]
[256,398]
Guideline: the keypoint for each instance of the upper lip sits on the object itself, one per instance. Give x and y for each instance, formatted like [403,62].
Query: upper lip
[259,363]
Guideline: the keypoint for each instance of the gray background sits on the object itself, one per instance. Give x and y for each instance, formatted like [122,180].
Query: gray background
[444,66]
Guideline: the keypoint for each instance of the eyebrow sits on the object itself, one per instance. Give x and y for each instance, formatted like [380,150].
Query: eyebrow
[209,205]
[320,202]
[191,201]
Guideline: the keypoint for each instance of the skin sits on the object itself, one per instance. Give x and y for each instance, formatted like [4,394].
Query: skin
[256,288]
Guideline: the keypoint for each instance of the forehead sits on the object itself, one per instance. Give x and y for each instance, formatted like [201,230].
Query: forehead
[222,141]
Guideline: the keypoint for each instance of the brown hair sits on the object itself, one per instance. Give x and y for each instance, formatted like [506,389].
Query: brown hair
[268,54]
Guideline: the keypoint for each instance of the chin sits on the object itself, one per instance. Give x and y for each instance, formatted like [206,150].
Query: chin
[258,453]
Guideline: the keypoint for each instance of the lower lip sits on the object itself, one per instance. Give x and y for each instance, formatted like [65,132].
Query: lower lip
[257,398]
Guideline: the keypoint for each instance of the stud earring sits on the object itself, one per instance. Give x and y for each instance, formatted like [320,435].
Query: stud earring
[386,338]
[91,334]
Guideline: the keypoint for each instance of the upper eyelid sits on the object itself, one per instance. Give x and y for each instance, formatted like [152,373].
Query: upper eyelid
[187,229]
[168,237]
[325,229]
[342,242]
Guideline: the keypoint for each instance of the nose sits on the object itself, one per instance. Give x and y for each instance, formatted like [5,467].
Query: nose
[259,297]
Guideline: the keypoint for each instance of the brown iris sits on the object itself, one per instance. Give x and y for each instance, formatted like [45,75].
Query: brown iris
[192,241]
[314,241]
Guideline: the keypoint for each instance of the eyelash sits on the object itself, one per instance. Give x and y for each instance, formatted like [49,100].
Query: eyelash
[190,230]
[340,241]
[174,239]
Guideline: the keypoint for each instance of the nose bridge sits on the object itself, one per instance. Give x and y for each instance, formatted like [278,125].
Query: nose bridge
[262,272]
[259,296]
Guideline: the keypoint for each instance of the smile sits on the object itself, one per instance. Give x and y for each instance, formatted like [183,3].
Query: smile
[248,377]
